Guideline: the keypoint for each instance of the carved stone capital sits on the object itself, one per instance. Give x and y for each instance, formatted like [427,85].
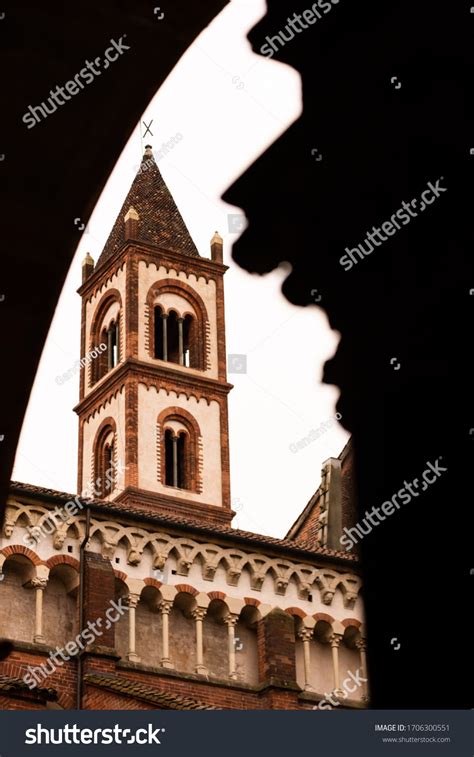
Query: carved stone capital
[199,613]
[231,619]
[361,645]
[305,634]
[132,600]
[335,640]
[165,606]
[39,583]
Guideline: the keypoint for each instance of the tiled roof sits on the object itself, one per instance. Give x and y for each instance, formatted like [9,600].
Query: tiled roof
[305,548]
[160,221]
[163,700]
[10,684]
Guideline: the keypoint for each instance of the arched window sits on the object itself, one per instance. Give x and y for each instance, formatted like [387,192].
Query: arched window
[105,331]
[176,448]
[105,468]
[178,325]
[179,450]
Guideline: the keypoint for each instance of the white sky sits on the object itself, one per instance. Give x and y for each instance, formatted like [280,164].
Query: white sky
[225,126]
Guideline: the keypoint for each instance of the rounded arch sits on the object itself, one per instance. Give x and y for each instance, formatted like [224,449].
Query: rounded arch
[195,335]
[19,549]
[179,461]
[56,560]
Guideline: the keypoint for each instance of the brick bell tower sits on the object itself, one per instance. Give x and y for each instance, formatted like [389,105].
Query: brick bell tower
[153,387]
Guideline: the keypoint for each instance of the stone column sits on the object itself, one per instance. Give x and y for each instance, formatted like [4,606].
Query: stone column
[165,608]
[199,614]
[164,318]
[335,641]
[39,585]
[175,461]
[131,600]
[231,621]
[117,340]
[180,341]
[306,634]
[362,647]
[110,348]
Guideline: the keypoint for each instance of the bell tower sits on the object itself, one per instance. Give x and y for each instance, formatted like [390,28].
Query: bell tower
[153,385]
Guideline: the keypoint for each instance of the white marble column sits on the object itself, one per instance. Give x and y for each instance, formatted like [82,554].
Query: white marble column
[180,341]
[199,614]
[165,608]
[362,647]
[335,642]
[131,600]
[39,585]
[306,634]
[231,621]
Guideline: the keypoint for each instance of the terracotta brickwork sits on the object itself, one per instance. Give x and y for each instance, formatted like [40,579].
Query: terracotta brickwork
[211,617]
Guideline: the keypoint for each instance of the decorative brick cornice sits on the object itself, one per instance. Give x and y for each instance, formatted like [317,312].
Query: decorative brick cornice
[197,512]
[172,379]
[150,254]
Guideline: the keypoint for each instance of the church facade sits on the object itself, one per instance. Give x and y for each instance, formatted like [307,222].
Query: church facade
[139,594]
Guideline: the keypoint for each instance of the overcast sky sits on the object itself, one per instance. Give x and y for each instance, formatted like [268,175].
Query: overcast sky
[229,105]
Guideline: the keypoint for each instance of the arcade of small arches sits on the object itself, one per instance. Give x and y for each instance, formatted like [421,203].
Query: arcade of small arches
[174,627]
[113,539]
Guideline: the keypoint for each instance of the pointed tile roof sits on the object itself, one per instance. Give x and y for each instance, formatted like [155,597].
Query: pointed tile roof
[160,221]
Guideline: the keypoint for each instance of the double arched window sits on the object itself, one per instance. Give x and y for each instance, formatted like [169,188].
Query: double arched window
[174,338]
[179,449]
[176,459]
